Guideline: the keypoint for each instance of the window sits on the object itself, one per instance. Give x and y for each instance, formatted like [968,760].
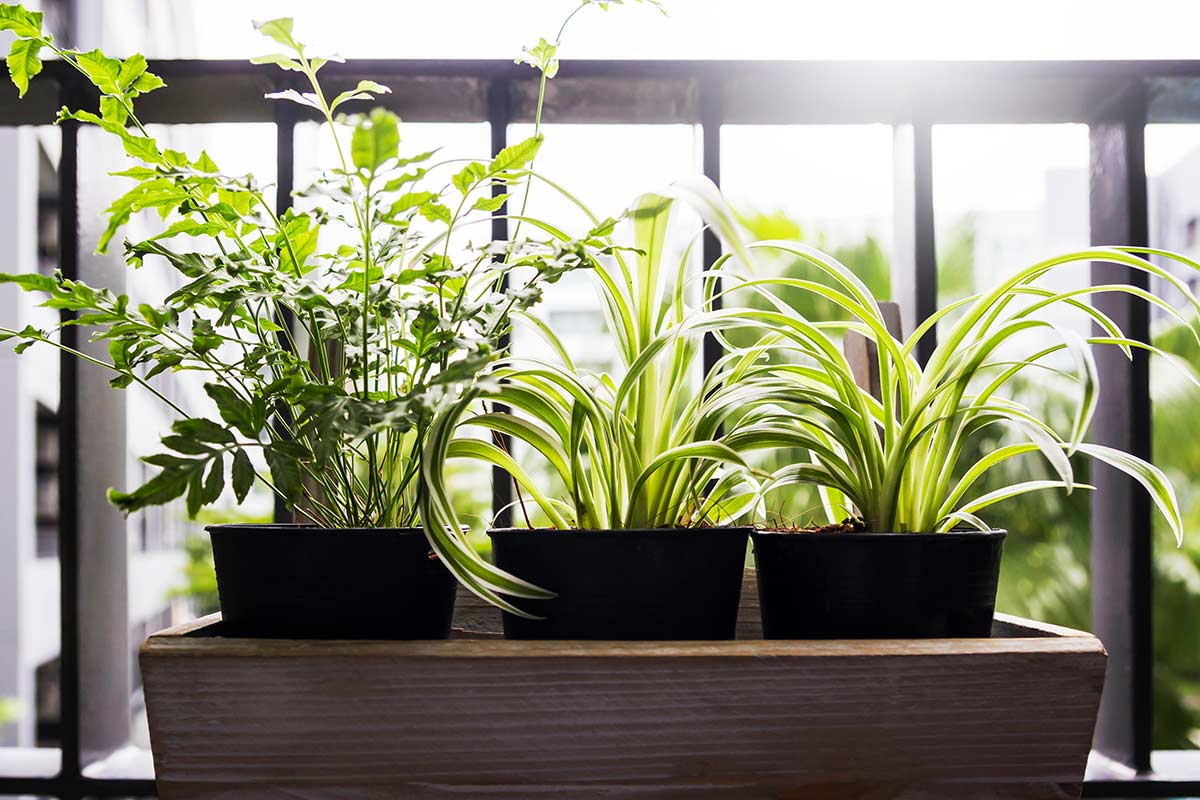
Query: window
[46,464]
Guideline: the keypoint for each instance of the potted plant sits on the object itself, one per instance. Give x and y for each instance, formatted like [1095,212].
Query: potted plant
[905,552]
[325,362]
[639,540]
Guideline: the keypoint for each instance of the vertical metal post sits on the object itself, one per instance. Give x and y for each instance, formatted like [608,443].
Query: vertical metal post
[101,453]
[1121,510]
[68,439]
[711,114]
[285,176]
[914,270]
[499,117]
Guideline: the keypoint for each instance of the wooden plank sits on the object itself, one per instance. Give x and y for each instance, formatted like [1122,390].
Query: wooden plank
[863,353]
[1002,717]
[693,791]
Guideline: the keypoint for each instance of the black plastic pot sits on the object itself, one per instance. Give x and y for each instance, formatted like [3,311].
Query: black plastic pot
[877,585]
[304,582]
[681,583]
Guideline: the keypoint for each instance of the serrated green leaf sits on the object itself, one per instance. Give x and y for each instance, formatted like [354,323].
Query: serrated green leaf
[202,430]
[103,71]
[164,487]
[113,110]
[205,163]
[285,472]
[186,445]
[542,56]
[490,204]
[233,409]
[30,281]
[142,148]
[516,156]
[243,475]
[468,176]
[148,82]
[131,69]
[25,24]
[436,212]
[24,63]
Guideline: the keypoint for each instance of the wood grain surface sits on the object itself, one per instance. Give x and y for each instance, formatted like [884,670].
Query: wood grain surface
[481,717]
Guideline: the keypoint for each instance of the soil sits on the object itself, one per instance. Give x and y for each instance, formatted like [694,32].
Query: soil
[848,525]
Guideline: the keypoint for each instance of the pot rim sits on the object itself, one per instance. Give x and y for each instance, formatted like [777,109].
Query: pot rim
[623,532]
[302,528]
[999,533]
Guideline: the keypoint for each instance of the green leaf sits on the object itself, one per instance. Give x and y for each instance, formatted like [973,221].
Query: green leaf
[278,29]
[542,56]
[103,71]
[436,212]
[468,176]
[30,281]
[490,204]
[234,410]
[366,90]
[164,487]
[24,63]
[148,82]
[205,163]
[410,200]
[516,156]
[25,24]
[204,430]
[376,139]
[285,472]
[113,110]
[214,482]
[307,99]
[279,60]
[418,158]
[243,475]
[187,446]
[401,180]
[143,148]
[1152,479]
[131,69]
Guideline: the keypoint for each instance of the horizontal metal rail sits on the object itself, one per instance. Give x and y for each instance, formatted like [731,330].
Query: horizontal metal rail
[749,92]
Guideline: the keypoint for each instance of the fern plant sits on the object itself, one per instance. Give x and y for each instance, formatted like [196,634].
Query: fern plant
[325,362]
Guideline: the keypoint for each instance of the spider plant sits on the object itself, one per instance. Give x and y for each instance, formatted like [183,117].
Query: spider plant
[637,450]
[894,463]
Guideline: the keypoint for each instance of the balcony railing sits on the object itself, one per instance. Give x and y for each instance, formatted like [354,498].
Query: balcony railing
[1115,99]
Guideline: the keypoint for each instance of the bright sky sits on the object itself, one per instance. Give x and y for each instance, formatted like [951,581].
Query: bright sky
[787,29]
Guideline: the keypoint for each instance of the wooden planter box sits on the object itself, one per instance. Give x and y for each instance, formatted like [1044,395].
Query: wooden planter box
[480,717]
